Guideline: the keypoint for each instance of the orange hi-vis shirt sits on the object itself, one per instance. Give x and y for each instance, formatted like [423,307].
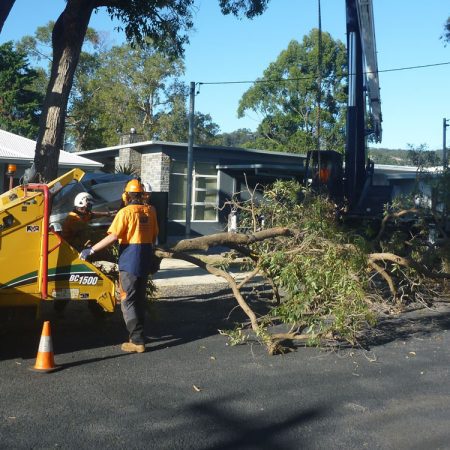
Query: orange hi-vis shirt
[74,224]
[136,227]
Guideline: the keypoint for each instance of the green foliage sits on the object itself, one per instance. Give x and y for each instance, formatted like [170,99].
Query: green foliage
[395,157]
[285,97]
[417,226]
[20,98]
[411,156]
[235,336]
[83,110]
[141,83]
[38,47]
[139,87]
[238,138]
[325,291]
[127,169]
[166,21]
[421,157]
[446,34]
[321,269]
[173,125]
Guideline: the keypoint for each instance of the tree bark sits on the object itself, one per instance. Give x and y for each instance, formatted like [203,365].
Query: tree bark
[67,40]
[5,9]
[405,262]
[229,239]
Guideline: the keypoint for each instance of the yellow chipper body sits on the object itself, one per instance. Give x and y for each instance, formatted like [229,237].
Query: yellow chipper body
[36,264]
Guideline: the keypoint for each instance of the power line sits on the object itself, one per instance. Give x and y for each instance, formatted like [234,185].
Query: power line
[309,77]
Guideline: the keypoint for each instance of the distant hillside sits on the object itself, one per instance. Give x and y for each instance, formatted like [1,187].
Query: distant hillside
[396,157]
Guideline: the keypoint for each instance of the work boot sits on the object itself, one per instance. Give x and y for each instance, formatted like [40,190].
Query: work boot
[130,347]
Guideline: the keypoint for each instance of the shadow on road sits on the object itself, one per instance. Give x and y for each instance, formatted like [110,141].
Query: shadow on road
[418,323]
[180,316]
[172,320]
[233,428]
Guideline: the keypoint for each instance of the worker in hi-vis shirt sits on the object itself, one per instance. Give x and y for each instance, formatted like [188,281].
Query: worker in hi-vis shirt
[75,228]
[136,228]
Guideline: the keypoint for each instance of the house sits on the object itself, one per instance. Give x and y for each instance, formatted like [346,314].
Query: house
[19,151]
[404,180]
[218,173]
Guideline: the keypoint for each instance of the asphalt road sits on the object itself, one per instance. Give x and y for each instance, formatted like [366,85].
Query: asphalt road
[191,390]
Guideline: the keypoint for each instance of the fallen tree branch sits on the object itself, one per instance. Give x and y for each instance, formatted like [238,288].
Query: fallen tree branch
[228,239]
[219,273]
[293,336]
[385,275]
[248,278]
[405,262]
[391,216]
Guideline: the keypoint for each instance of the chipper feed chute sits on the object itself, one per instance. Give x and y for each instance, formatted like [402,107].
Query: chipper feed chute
[35,262]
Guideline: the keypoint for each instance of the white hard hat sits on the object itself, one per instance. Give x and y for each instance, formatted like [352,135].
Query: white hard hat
[147,187]
[82,200]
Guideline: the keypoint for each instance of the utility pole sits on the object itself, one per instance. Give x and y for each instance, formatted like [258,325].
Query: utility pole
[319,86]
[190,159]
[445,166]
[445,124]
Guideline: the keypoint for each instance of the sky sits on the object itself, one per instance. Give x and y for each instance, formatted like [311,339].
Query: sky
[414,102]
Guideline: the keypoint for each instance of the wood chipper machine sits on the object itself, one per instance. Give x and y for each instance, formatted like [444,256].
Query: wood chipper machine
[36,263]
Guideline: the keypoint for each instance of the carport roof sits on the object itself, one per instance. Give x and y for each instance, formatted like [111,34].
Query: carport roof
[15,148]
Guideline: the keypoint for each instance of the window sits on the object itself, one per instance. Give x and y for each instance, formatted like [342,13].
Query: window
[204,192]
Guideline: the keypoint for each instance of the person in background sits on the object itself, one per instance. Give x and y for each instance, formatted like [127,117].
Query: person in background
[136,228]
[75,227]
[147,201]
[147,192]
[156,262]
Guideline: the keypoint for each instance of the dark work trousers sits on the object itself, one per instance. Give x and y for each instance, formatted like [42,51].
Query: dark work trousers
[133,304]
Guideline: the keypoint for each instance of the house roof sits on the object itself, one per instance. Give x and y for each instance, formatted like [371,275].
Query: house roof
[392,171]
[404,172]
[114,150]
[14,148]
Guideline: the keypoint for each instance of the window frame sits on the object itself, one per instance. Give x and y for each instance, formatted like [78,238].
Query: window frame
[195,189]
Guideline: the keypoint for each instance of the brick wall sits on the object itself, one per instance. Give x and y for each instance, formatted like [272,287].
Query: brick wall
[155,169]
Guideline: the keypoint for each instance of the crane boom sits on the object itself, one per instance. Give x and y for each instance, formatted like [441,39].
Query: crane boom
[367,30]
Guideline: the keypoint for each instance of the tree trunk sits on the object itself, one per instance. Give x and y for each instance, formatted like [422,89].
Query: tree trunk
[67,39]
[5,8]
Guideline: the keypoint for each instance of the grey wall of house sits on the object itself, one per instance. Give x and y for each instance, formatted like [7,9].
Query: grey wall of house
[409,186]
[153,168]
[153,165]
[226,190]
[227,187]
[128,157]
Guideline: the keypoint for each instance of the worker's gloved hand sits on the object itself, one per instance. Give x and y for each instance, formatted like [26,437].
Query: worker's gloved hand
[85,253]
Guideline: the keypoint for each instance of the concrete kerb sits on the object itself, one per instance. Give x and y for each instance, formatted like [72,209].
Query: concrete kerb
[176,272]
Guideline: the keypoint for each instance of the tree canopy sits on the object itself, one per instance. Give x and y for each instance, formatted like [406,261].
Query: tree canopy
[123,88]
[285,97]
[131,87]
[165,22]
[20,98]
[142,83]
[446,35]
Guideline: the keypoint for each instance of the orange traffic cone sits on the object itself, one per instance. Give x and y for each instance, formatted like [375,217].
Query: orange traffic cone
[44,360]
